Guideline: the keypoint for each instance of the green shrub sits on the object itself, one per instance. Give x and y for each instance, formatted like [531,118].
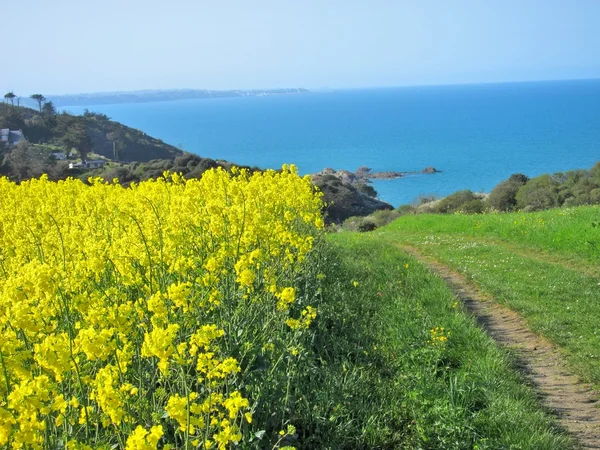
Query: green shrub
[123,174]
[367,225]
[504,196]
[539,193]
[455,202]
[475,206]
[384,216]
[425,198]
[405,209]
[361,224]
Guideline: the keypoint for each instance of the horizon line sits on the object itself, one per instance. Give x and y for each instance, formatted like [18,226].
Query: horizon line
[327,88]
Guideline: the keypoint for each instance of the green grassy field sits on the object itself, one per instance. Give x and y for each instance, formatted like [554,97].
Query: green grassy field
[569,233]
[543,265]
[404,366]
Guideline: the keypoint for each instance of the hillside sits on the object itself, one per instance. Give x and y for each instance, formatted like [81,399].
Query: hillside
[90,132]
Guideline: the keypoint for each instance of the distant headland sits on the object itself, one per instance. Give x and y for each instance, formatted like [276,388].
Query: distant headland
[147,96]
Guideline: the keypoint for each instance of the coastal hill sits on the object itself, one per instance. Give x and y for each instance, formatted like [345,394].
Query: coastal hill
[147,96]
[88,132]
[130,155]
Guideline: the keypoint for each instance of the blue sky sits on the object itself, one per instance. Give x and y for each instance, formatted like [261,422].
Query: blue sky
[71,46]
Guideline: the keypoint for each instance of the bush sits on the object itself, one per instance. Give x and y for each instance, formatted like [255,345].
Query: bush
[123,174]
[367,225]
[424,199]
[504,196]
[455,202]
[539,193]
[360,224]
[475,206]
[403,210]
[383,217]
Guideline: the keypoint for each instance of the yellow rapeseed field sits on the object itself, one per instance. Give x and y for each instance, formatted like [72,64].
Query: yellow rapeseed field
[131,317]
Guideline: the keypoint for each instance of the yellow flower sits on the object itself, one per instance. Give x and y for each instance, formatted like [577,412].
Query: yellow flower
[141,439]
[116,302]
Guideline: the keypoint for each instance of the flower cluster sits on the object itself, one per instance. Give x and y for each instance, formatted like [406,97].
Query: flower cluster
[131,317]
[438,336]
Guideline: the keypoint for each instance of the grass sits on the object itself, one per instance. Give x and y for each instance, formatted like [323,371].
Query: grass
[567,232]
[543,265]
[385,380]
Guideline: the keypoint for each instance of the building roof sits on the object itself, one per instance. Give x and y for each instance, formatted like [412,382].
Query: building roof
[14,136]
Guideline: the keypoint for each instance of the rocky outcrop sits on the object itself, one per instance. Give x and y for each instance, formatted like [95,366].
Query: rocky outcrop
[350,194]
[344,199]
[365,174]
[386,175]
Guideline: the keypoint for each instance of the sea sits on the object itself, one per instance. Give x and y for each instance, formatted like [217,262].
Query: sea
[475,135]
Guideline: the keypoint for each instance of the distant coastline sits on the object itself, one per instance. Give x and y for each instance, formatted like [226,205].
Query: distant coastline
[151,96]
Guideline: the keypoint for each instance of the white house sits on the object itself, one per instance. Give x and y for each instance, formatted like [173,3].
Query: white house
[11,137]
[91,164]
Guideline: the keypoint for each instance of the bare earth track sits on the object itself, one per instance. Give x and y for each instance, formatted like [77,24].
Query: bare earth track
[573,401]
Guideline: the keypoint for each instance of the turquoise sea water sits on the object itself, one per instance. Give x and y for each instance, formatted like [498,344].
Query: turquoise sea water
[478,135]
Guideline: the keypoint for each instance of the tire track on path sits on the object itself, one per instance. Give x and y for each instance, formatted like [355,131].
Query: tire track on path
[542,363]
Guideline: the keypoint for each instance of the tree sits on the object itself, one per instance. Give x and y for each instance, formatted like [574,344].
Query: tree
[48,109]
[504,196]
[12,119]
[26,161]
[10,96]
[76,137]
[39,98]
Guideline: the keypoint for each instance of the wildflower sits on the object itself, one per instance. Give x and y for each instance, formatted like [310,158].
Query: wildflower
[141,439]
[114,302]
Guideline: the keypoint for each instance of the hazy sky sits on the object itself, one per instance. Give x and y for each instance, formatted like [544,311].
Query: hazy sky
[71,46]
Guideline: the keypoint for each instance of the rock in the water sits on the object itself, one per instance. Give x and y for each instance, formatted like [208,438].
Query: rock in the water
[386,175]
[430,169]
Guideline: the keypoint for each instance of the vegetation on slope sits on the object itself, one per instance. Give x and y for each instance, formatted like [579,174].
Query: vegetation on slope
[88,132]
[518,193]
[203,313]
[543,265]
[405,367]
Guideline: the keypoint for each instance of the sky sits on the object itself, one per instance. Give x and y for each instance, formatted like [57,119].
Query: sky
[75,46]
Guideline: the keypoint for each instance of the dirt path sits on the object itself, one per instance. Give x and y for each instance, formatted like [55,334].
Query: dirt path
[542,363]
